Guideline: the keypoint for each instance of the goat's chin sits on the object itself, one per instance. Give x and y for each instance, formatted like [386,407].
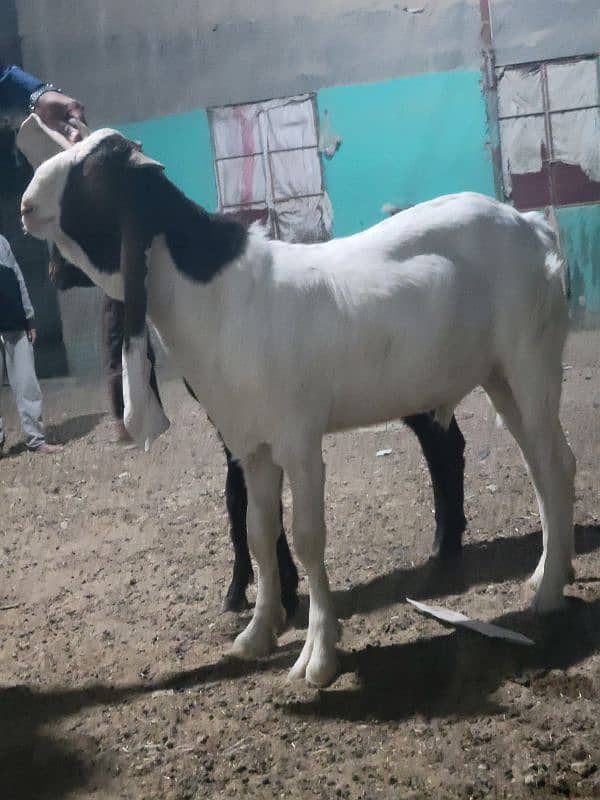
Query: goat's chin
[39,229]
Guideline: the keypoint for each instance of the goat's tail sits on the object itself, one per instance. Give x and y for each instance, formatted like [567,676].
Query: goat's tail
[546,230]
[552,310]
[543,228]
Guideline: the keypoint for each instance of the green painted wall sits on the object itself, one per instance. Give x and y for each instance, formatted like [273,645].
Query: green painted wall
[182,143]
[404,141]
[580,235]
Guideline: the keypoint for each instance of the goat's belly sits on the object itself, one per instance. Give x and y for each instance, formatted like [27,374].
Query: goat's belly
[379,398]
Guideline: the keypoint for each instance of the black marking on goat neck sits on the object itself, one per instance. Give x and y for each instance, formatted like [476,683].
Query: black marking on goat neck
[105,183]
[65,275]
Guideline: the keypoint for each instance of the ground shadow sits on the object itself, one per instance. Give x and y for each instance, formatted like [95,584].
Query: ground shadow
[456,675]
[63,432]
[73,428]
[445,675]
[502,559]
[35,765]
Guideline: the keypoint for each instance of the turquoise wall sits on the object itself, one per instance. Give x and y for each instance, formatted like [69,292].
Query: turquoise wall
[580,237]
[182,143]
[404,141]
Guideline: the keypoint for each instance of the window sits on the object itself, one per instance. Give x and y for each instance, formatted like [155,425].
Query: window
[549,120]
[268,167]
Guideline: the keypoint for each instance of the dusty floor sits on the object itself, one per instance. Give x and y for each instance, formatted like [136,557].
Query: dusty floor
[113,676]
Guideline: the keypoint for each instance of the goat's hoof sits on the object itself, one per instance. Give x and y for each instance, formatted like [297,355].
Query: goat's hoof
[235,603]
[254,643]
[290,603]
[317,664]
[281,622]
[322,671]
[445,553]
[545,601]
[446,547]
[546,605]
[535,582]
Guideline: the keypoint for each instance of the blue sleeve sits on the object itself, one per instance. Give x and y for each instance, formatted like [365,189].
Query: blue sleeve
[16,86]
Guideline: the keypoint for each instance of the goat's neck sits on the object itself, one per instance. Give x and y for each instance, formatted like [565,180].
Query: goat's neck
[200,323]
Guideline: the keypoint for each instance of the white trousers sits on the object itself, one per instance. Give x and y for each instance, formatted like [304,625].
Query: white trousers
[17,351]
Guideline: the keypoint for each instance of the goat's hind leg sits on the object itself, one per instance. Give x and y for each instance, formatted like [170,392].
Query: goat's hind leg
[288,574]
[263,482]
[529,408]
[444,452]
[237,503]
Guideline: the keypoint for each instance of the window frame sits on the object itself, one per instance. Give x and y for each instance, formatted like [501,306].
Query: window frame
[550,164]
[268,206]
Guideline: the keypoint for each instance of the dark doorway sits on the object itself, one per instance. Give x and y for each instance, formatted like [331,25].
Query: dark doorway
[32,255]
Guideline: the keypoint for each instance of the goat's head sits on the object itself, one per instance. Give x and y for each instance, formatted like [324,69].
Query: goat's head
[85,180]
[87,200]
[86,196]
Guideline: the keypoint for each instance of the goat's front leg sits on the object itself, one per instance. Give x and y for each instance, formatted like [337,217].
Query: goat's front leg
[237,502]
[263,482]
[317,662]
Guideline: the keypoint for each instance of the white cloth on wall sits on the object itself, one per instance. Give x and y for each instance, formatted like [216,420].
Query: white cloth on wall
[576,138]
[520,92]
[522,139]
[286,177]
[572,84]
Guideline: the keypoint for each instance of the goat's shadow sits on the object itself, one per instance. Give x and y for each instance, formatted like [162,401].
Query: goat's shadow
[456,675]
[38,765]
[502,559]
[33,762]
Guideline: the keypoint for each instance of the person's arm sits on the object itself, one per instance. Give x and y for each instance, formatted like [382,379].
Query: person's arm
[16,87]
[9,259]
[21,91]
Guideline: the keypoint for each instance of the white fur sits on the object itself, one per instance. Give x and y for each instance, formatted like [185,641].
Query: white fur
[143,415]
[292,341]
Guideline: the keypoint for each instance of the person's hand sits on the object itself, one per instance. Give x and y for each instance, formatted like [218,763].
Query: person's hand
[61,113]
[32,335]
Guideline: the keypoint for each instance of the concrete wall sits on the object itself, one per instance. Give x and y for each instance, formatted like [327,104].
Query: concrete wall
[137,59]
[140,59]
[10,49]
[528,30]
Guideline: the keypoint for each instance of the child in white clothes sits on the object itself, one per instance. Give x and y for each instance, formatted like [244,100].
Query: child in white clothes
[17,336]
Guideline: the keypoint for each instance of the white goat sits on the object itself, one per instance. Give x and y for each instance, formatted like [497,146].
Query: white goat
[282,343]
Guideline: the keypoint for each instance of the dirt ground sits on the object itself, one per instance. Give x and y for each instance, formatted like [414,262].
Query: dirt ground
[114,680]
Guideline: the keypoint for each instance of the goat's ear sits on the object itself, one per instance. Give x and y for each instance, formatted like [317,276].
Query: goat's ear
[56,266]
[140,160]
[133,270]
[63,274]
[143,412]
